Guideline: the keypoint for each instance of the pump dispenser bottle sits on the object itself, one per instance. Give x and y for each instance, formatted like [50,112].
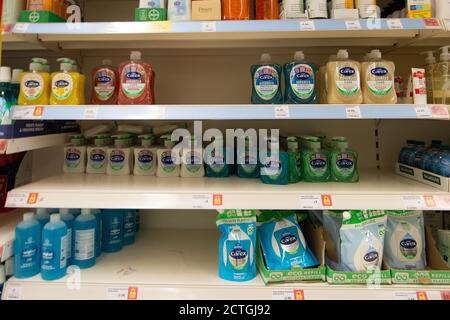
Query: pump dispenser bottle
[65,85]
[430,66]
[35,84]
[441,83]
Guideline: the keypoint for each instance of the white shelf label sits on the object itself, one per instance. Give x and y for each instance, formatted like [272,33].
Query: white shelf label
[307,25]
[90,113]
[414,202]
[21,27]
[282,295]
[405,295]
[202,201]
[423,112]
[442,202]
[14,292]
[209,26]
[122,293]
[394,24]
[317,202]
[28,113]
[282,112]
[353,112]
[353,25]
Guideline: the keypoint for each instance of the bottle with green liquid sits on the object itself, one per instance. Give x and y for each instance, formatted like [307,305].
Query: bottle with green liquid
[274,165]
[248,165]
[344,161]
[266,79]
[295,160]
[316,167]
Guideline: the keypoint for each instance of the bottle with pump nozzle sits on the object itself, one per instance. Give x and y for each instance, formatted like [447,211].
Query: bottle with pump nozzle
[35,84]
[430,66]
[316,167]
[75,155]
[192,160]
[104,84]
[145,157]
[65,84]
[119,156]
[441,83]
[378,80]
[6,96]
[266,79]
[344,80]
[97,155]
[168,160]
[300,80]
[343,161]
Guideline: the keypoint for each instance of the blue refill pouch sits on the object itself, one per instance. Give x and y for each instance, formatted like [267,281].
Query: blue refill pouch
[282,242]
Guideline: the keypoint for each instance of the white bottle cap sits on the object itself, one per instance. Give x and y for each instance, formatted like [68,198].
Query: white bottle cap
[430,58]
[5,74]
[40,211]
[85,211]
[107,62]
[63,211]
[265,57]
[342,54]
[28,216]
[135,55]
[445,55]
[16,75]
[299,56]
[346,215]
[375,54]
[56,217]
[65,64]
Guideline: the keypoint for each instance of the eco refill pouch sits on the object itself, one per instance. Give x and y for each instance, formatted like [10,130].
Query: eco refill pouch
[362,237]
[237,244]
[282,241]
[405,240]
[332,222]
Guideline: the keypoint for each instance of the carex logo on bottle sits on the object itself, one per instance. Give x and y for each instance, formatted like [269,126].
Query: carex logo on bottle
[167,158]
[347,71]
[318,161]
[344,161]
[73,157]
[145,157]
[103,77]
[238,257]
[32,84]
[117,156]
[379,72]
[289,243]
[371,256]
[97,155]
[61,84]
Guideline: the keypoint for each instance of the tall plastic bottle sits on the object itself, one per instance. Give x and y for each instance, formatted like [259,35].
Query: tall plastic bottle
[42,216]
[84,237]
[81,83]
[300,81]
[378,80]
[136,81]
[192,161]
[168,162]
[65,85]
[15,85]
[112,230]
[54,249]
[27,247]
[235,10]
[266,80]
[97,213]
[129,227]
[344,80]
[430,66]
[105,84]
[441,83]
[68,219]
[322,81]
[267,10]
[35,84]
[6,97]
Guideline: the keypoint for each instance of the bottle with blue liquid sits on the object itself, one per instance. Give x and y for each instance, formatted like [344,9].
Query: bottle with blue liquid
[27,247]
[138,220]
[42,216]
[54,247]
[97,213]
[300,81]
[410,157]
[266,79]
[410,145]
[112,230]
[434,148]
[129,227]
[441,162]
[68,219]
[84,238]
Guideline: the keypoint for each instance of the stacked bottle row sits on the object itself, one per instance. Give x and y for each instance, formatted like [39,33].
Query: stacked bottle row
[52,240]
[9,92]
[434,158]
[341,80]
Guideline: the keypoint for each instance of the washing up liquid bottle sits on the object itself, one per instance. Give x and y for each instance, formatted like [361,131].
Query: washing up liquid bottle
[84,238]
[266,78]
[119,157]
[216,165]
[427,161]
[75,155]
[430,65]
[27,247]
[35,84]
[322,81]
[136,81]
[378,80]
[82,82]
[274,165]
[441,162]
[248,165]
[15,85]
[343,80]
[97,213]
[316,167]
[54,249]
[410,145]
[129,227]
[65,85]
[112,230]
[6,96]
[145,157]
[192,161]
[300,81]
[295,160]
[343,161]
[97,155]
[42,216]
[168,160]
[441,83]
[104,84]
[68,219]
[417,151]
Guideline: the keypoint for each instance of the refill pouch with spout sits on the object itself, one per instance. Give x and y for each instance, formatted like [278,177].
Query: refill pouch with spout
[282,241]
[237,244]
[361,240]
[405,240]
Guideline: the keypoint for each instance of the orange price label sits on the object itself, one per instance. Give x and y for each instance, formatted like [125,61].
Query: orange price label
[421,295]
[217,200]
[326,200]
[32,198]
[432,23]
[132,293]
[299,295]
[445,295]
[429,201]
[38,111]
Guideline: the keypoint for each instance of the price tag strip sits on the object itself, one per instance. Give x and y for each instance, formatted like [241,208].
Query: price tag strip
[28,113]
[22,199]
[207,201]
[316,202]
[353,112]
[282,112]
[90,113]
[353,25]
[307,25]
[394,24]
[122,293]
[209,26]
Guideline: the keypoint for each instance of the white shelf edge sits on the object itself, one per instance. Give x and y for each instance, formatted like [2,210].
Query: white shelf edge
[17,145]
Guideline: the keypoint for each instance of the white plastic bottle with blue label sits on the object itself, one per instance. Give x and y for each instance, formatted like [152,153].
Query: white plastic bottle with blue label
[168,160]
[42,216]
[145,157]
[54,249]
[27,247]
[84,238]
[129,227]
[192,161]
[68,219]
[97,155]
[179,10]
[119,157]
[75,155]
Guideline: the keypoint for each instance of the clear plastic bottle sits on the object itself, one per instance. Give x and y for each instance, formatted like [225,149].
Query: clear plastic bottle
[441,83]
[430,66]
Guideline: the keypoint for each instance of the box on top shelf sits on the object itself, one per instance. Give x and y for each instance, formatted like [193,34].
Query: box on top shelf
[426,177]
[150,14]
[205,10]
[39,16]
[30,128]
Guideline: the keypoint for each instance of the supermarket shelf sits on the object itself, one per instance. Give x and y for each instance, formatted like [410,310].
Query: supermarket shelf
[8,222]
[376,189]
[10,146]
[231,112]
[12,42]
[166,34]
[182,270]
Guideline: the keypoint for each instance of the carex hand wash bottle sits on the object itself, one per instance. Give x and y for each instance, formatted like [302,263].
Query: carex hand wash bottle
[266,79]
[300,81]
[344,80]
[65,85]
[35,84]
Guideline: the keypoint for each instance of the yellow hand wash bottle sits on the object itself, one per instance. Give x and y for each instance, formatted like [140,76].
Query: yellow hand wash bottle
[65,85]
[35,84]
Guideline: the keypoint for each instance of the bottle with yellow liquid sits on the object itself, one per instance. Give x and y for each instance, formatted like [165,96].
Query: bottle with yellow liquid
[65,86]
[441,79]
[82,82]
[35,84]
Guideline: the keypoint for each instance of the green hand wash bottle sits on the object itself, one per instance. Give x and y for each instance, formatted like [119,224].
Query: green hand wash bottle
[344,161]
[316,166]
